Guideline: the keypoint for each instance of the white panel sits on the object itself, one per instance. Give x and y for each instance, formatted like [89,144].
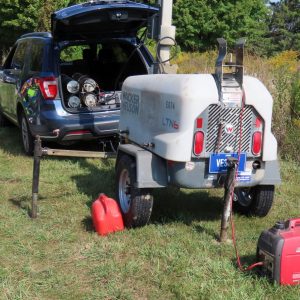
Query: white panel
[258,96]
[162,109]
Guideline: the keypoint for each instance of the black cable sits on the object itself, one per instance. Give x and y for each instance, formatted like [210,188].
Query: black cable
[157,48]
[143,37]
[160,62]
[125,65]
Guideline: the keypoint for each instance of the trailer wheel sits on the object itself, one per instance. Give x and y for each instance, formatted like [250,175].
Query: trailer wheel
[27,138]
[136,204]
[254,201]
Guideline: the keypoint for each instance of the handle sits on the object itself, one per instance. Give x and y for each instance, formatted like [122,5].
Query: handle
[103,199]
[294,224]
[8,77]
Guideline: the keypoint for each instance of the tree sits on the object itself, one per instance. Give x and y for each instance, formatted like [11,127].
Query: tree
[285,26]
[200,22]
[47,8]
[16,18]
[22,16]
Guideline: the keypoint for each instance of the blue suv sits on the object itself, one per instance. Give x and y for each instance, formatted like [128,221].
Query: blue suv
[66,85]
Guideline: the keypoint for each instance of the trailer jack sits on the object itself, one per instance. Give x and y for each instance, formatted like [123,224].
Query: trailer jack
[39,152]
[232,163]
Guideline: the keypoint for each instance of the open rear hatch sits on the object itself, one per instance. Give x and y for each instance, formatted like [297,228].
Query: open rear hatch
[97,53]
[99,19]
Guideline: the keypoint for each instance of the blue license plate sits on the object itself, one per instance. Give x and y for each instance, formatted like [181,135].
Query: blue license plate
[218,162]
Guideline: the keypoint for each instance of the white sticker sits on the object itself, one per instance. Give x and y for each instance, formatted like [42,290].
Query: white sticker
[189,166]
[244,178]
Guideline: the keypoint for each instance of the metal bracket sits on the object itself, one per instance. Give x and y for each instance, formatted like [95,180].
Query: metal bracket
[237,67]
[239,60]
[220,59]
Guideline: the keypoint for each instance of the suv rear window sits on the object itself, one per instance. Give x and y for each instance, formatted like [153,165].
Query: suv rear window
[36,54]
[72,53]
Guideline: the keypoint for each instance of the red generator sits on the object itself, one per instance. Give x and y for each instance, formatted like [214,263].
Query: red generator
[279,249]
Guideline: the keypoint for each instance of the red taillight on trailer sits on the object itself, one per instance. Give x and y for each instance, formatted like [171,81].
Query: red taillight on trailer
[256,142]
[258,122]
[198,142]
[48,87]
[199,123]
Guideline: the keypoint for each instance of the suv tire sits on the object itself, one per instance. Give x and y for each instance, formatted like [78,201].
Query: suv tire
[3,120]
[254,201]
[135,204]
[27,138]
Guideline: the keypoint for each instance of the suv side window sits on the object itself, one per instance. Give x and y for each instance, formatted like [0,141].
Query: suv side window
[18,59]
[36,57]
[7,62]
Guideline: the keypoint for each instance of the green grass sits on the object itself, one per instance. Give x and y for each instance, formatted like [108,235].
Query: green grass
[59,256]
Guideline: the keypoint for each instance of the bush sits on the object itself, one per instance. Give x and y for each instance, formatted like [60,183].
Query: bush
[296,96]
[196,62]
[286,93]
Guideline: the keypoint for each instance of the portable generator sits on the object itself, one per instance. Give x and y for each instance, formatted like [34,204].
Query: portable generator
[279,250]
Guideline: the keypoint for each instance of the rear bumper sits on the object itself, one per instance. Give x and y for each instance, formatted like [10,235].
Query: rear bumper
[195,175]
[54,123]
[153,171]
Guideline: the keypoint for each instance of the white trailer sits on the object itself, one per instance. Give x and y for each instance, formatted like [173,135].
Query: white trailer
[179,130]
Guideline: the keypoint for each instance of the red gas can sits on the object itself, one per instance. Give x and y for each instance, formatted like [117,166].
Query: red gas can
[106,215]
[279,249]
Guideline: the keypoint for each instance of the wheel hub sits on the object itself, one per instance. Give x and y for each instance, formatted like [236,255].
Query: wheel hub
[124,191]
[244,197]
[25,134]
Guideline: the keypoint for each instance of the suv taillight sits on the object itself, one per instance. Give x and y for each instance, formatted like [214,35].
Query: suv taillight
[48,87]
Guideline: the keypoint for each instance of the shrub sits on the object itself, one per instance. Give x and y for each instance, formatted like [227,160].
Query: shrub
[286,93]
[296,97]
[195,62]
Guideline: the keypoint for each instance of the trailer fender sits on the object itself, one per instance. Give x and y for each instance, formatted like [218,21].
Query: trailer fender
[151,170]
[272,173]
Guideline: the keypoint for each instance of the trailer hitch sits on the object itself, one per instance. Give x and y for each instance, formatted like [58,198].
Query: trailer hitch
[39,152]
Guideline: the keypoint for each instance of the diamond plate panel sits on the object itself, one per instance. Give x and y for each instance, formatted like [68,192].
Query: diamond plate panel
[220,118]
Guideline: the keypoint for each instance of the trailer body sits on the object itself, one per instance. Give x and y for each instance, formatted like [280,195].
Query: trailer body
[180,129]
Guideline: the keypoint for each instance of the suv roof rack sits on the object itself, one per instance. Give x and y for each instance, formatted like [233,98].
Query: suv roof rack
[37,34]
[105,2]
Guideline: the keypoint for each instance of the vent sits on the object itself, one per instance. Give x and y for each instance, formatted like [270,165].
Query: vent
[223,128]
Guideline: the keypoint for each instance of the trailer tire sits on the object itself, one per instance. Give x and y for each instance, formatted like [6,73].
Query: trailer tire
[254,201]
[135,204]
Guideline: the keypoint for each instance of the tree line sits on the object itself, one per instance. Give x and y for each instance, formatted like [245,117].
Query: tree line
[268,27]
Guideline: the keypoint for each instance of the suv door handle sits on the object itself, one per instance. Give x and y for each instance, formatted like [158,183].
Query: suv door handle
[9,79]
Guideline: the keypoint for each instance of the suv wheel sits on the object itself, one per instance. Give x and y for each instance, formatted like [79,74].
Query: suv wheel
[27,138]
[255,201]
[3,120]
[136,204]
